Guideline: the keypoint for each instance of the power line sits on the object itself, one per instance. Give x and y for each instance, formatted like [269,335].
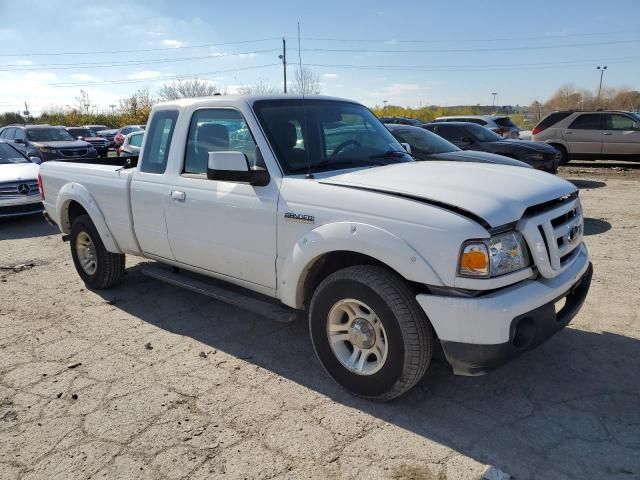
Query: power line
[454,50]
[462,40]
[94,52]
[72,66]
[155,79]
[467,68]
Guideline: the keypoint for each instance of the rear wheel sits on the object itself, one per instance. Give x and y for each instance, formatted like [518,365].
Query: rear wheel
[369,333]
[97,267]
[564,155]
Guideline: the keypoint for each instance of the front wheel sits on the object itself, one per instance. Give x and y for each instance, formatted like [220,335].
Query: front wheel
[97,267]
[564,155]
[369,333]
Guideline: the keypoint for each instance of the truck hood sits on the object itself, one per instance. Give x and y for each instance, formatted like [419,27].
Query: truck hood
[62,144]
[494,195]
[474,156]
[14,172]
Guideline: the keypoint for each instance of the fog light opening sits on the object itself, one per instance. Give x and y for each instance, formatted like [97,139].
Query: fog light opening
[524,334]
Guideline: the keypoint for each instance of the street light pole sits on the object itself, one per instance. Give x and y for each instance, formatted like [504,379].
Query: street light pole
[493,103]
[602,69]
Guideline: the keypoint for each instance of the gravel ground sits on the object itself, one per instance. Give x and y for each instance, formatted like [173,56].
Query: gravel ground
[150,381]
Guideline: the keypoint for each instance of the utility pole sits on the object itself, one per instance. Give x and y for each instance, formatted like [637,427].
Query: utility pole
[493,103]
[26,110]
[602,69]
[283,57]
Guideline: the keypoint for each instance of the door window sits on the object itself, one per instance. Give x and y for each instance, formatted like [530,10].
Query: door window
[19,135]
[587,122]
[136,140]
[620,122]
[9,133]
[450,132]
[217,130]
[160,133]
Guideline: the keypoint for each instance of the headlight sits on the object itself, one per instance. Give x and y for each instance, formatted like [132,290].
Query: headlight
[47,150]
[534,157]
[492,257]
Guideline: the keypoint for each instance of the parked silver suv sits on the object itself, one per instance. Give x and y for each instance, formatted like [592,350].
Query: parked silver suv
[500,124]
[591,135]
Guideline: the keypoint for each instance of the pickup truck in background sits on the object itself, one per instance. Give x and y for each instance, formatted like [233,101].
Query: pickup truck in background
[310,204]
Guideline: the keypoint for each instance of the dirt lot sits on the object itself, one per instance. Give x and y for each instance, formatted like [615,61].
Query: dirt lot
[149,381]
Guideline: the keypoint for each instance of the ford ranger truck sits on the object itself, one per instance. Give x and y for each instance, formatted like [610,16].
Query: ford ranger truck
[310,204]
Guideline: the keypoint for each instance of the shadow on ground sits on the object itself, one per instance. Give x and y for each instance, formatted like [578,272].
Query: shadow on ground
[568,409]
[31,226]
[595,226]
[584,184]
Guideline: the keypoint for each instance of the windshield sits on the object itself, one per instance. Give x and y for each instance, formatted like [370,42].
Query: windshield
[53,134]
[326,135]
[482,134]
[81,132]
[423,142]
[9,154]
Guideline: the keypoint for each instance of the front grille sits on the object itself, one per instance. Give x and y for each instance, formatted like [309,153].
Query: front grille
[98,143]
[19,189]
[14,210]
[554,234]
[74,152]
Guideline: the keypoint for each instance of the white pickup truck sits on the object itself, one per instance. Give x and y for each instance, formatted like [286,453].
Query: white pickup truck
[312,205]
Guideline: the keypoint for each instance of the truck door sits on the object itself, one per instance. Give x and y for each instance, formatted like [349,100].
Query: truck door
[149,189]
[222,226]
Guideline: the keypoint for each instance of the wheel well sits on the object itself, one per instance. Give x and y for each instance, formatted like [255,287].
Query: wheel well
[74,211]
[331,262]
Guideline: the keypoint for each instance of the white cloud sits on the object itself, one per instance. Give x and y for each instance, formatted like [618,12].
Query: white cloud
[247,55]
[391,42]
[144,75]
[84,77]
[23,62]
[330,75]
[173,43]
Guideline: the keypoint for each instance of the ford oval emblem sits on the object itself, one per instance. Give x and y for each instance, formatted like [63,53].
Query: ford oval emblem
[573,234]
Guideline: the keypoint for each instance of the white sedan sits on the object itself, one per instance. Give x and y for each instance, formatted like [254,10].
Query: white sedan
[19,193]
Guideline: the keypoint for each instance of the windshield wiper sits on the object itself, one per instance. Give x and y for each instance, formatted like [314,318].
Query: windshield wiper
[389,154]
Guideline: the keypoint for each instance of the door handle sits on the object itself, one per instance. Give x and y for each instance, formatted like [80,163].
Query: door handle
[178,195]
[607,133]
[568,132]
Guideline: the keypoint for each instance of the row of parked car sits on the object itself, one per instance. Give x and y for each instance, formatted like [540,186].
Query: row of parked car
[560,137]
[48,142]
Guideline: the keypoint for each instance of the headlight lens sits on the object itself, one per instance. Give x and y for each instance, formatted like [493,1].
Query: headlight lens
[47,150]
[495,256]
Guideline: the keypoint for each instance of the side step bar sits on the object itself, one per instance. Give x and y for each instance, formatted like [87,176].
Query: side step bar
[267,309]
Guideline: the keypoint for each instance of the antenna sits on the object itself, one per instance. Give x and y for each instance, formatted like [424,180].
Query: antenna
[304,110]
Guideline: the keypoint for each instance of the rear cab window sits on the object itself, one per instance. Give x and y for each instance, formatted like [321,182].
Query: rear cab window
[158,144]
[505,122]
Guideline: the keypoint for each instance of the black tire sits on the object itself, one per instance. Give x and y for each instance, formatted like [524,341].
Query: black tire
[409,335]
[564,155]
[109,266]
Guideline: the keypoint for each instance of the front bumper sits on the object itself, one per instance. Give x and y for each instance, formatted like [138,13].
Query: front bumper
[481,333]
[18,210]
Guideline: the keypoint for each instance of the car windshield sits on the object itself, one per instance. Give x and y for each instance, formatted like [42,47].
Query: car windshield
[423,141]
[321,135]
[81,132]
[53,134]
[9,154]
[482,134]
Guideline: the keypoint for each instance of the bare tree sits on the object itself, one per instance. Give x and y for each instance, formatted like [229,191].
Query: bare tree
[260,88]
[187,88]
[84,103]
[305,81]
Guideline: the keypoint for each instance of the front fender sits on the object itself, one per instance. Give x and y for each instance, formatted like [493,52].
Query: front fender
[78,193]
[353,237]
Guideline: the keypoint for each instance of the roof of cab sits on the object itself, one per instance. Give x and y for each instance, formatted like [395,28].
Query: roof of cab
[237,99]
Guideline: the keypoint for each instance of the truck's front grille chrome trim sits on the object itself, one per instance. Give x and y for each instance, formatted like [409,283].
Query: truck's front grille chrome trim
[554,234]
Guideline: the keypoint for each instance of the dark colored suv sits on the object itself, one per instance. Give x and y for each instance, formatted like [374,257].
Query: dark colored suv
[402,121]
[47,142]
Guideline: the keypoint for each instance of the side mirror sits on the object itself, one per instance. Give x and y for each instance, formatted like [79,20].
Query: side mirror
[36,160]
[19,140]
[406,146]
[234,167]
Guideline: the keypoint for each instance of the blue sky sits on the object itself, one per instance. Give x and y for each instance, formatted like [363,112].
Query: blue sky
[408,53]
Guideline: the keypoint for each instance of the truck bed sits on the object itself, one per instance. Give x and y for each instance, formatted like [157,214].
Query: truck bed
[105,183]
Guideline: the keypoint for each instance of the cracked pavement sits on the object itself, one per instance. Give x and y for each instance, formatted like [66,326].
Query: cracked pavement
[149,381]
